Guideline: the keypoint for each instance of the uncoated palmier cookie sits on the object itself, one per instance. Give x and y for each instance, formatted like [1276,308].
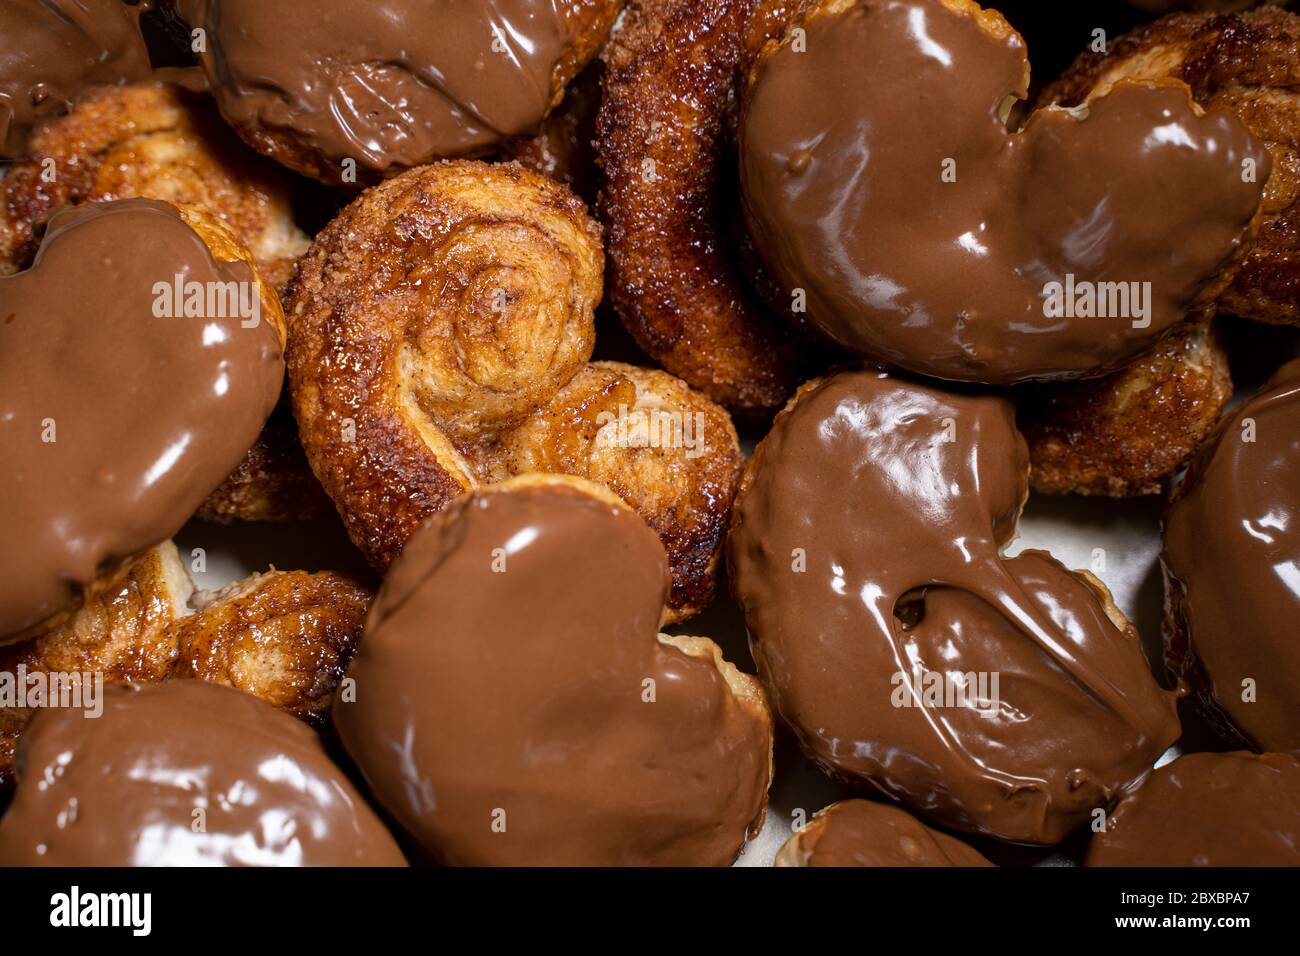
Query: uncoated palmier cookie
[1246,63]
[514,703]
[283,636]
[663,134]
[393,85]
[1232,571]
[1001,696]
[440,335]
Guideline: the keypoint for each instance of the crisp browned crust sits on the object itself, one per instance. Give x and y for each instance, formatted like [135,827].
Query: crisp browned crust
[284,636]
[669,196]
[121,632]
[157,141]
[442,327]
[1246,63]
[272,483]
[1129,433]
[588,22]
[686,499]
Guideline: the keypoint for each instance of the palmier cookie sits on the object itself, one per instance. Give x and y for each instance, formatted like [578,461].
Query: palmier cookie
[1002,696]
[346,91]
[513,704]
[887,194]
[184,773]
[1233,809]
[140,356]
[1232,571]
[868,833]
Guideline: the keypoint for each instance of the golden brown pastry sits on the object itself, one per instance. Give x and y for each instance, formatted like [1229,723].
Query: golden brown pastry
[157,141]
[451,306]
[1249,64]
[1129,433]
[677,276]
[283,636]
[272,483]
[122,631]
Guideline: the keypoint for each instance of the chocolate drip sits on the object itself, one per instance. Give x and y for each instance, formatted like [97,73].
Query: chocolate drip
[866,554]
[501,709]
[387,83]
[51,51]
[1232,563]
[880,180]
[1234,809]
[117,423]
[184,773]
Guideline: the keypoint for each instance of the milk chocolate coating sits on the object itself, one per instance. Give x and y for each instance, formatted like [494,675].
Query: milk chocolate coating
[390,84]
[147,414]
[184,773]
[1232,570]
[1233,809]
[843,152]
[53,50]
[867,544]
[515,698]
[866,833]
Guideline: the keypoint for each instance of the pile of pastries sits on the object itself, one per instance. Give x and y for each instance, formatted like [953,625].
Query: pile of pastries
[350,262]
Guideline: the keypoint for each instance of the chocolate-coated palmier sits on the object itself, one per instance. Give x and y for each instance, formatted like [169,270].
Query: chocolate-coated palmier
[1232,571]
[140,356]
[1233,809]
[867,833]
[184,773]
[866,552]
[514,702]
[1245,63]
[390,84]
[52,51]
[886,193]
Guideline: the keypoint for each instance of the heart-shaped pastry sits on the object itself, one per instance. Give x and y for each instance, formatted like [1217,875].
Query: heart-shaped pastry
[1003,696]
[513,703]
[139,357]
[886,192]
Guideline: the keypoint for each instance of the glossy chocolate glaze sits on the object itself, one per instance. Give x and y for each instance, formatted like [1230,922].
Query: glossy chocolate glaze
[390,84]
[843,152]
[53,50]
[147,414]
[896,500]
[1233,809]
[1232,570]
[184,773]
[500,715]
[867,833]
